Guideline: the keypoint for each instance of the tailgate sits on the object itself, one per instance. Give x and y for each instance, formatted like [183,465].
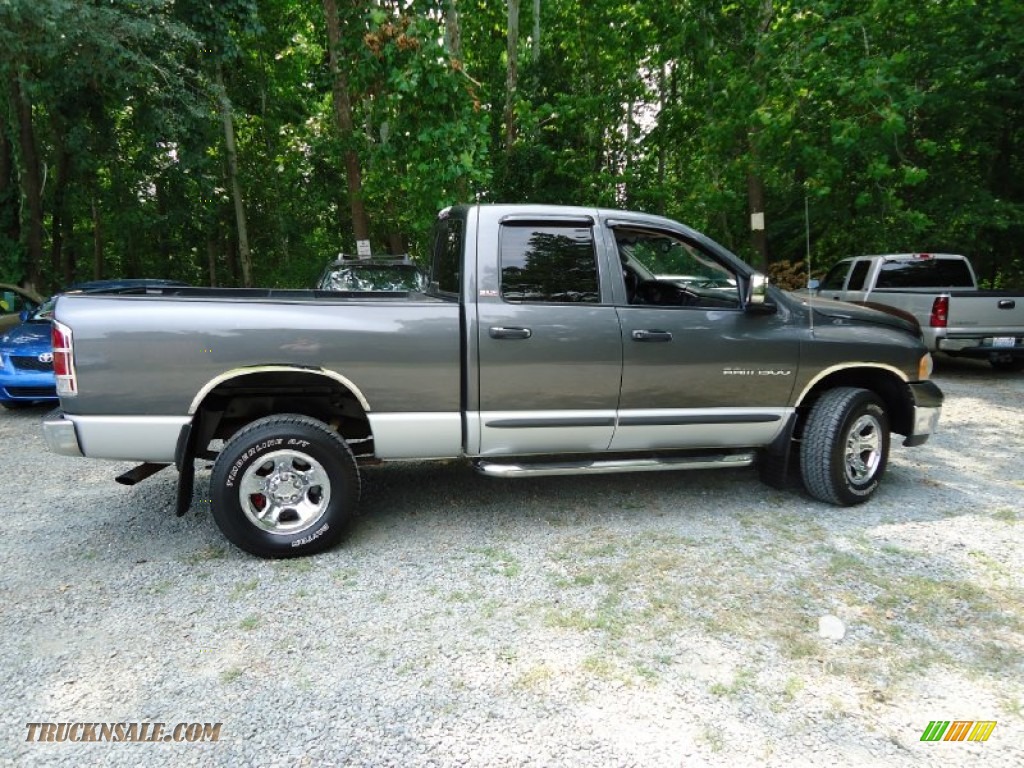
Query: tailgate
[986,314]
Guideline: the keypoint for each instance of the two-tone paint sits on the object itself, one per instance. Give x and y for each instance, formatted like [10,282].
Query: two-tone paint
[441,375]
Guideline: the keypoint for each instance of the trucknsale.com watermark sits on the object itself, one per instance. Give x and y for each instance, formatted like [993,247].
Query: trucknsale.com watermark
[181,732]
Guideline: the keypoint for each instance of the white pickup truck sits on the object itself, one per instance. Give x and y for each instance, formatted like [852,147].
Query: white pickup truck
[941,292]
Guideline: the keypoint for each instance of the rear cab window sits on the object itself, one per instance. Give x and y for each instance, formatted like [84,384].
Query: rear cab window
[925,273]
[446,264]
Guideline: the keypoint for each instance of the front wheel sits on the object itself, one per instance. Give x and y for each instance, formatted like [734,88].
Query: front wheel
[284,486]
[845,446]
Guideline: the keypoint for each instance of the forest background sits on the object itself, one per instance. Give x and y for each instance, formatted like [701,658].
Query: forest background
[246,142]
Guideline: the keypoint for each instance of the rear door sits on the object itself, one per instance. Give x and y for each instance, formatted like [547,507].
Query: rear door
[549,346]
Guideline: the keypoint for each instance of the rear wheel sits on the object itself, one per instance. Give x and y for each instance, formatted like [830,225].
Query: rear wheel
[845,446]
[285,486]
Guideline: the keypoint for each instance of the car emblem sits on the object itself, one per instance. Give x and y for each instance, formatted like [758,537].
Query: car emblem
[46,357]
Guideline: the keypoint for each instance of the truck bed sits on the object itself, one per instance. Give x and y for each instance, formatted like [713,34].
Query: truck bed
[187,337]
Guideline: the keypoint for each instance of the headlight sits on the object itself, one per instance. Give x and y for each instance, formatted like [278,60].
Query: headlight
[924,367]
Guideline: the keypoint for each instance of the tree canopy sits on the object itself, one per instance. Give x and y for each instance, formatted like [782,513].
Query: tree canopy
[249,141]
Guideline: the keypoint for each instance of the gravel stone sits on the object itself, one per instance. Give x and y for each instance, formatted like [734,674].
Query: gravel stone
[634,620]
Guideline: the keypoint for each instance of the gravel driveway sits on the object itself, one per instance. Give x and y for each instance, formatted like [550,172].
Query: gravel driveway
[663,619]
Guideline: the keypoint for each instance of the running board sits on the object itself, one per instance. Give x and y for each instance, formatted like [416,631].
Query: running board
[610,466]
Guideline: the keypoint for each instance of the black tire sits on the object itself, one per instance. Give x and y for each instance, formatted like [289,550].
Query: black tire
[1011,365]
[285,486]
[845,446]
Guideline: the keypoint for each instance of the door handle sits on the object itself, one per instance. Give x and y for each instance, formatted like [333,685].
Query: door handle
[497,332]
[1007,304]
[651,335]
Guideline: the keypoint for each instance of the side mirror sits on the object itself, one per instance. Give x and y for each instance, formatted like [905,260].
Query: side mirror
[756,288]
[813,284]
[756,295]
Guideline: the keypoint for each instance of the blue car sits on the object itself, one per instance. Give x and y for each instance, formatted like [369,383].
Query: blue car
[26,350]
[26,360]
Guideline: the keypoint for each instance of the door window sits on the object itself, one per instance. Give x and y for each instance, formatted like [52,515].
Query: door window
[662,270]
[835,278]
[549,264]
[859,276]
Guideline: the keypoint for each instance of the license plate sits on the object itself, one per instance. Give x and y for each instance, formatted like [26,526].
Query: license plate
[1004,341]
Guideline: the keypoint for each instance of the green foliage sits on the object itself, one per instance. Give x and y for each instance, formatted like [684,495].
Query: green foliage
[898,125]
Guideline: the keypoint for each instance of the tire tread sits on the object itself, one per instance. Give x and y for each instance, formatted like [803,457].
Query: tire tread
[823,423]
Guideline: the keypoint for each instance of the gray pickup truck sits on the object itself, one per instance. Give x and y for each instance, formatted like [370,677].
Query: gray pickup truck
[941,293]
[543,345]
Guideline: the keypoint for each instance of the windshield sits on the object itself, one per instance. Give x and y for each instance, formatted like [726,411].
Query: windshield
[43,313]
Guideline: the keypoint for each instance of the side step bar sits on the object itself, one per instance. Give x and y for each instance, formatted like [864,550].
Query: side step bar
[610,466]
[139,473]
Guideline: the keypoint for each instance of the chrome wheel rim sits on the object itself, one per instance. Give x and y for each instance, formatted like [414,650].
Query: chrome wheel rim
[863,449]
[285,492]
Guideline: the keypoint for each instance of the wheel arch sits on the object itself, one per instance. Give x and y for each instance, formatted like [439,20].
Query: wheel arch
[887,382]
[238,397]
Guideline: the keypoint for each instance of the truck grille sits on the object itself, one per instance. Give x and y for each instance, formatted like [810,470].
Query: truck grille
[29,392]
[27,363]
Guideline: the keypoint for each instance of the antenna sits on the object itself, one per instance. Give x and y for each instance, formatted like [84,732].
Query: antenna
[810,291]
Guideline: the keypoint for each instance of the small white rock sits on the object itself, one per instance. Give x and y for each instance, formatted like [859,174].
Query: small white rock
[831,627]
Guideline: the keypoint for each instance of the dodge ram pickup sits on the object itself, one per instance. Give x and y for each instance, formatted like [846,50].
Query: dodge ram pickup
[941,292]
[542,345]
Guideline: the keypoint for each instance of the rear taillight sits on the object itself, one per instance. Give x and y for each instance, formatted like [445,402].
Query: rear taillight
[940,312]
[63,360]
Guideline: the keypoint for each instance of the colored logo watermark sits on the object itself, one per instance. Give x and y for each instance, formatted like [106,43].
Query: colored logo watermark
[958,730]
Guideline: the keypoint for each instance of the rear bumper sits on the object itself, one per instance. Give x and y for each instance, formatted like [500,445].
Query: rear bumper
[983,348]
[927,407]
[121,438]
[60,434]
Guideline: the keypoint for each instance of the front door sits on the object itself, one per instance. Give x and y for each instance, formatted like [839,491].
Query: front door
[698,370]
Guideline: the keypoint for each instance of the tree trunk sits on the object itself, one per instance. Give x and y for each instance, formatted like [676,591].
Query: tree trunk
[512,74]
[97,241]
[59,260]
[452,32]
[755,202]
[346,128]
[663,133]
[236,187]
[31,184]
[211,257]
[10,222]
[536,31]
[163,245]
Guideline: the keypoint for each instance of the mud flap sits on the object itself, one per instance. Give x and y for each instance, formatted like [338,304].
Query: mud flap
[186,483]
[184,459]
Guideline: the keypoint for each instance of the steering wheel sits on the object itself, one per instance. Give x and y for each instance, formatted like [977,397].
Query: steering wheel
[656,293]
